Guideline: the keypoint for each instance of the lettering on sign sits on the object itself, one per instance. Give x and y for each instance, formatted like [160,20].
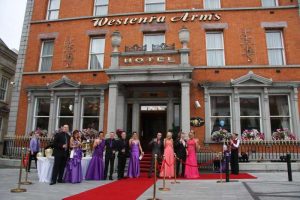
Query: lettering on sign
[185,17]
[149,60]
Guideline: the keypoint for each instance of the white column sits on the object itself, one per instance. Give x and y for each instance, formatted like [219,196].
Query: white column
[30,112]
[112,107]
[185,105]
[135,116]
[101,123]
[120,109]
[170,111]
[77,114]
[236,126]
[52,117]
[295,113]
[207,115]
[266,116]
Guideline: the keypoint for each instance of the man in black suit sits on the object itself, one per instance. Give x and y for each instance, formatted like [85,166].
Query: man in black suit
[123,149]
[180,150]
[157,148]
[61,146]
[110,151]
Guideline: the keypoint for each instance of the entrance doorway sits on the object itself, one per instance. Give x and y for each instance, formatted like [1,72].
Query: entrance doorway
[153,119]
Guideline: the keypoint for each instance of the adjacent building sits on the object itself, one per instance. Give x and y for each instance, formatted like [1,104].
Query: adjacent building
[8,61]
[153,65]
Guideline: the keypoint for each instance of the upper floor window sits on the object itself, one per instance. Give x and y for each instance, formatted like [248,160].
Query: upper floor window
[275,47]
[155,5]
[212,4]
[153,39]
[100,7]
[46,55]
[3,88]
[53,9]
[215,49]
[269,3]
[96,53]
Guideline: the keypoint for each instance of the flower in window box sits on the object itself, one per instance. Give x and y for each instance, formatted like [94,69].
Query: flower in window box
[252,134]
[283,134]
[220,135]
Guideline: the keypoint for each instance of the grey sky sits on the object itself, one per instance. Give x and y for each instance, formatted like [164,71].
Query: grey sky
[11,21]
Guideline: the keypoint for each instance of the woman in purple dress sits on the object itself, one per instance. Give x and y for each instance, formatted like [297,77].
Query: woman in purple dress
[95,169]
[134,162]
[73,172]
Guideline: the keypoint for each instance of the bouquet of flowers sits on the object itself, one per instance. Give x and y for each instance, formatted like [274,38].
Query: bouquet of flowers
[253,134]
[220,135]
[283,134]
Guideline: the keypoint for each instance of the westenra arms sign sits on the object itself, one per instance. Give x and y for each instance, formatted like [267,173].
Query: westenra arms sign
[185,17]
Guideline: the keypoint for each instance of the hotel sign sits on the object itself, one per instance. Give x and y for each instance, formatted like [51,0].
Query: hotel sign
[149,60]
[185,17]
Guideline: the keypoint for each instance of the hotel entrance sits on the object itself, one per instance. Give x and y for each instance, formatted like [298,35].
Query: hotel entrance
[153,119]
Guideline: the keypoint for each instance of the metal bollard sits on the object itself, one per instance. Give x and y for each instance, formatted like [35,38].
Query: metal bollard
[289,167]
[227,166]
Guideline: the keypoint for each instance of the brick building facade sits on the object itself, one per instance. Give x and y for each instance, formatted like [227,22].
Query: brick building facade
[150,65]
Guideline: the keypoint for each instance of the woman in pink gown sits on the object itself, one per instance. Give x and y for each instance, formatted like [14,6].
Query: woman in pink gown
[191,168]
[169,157]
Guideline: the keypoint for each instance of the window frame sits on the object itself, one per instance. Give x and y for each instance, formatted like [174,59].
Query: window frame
[146,4]
[58,116]
[282,44]
[4,89]
[48,56]
[260,111]
[49,10]
[100,5]
[217,49]
[35,117]
[153,34]
[213,116]
[205,5]
[82,112]
[280,116]
[90,54]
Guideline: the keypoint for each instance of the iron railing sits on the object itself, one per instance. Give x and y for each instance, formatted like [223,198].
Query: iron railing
[274,151]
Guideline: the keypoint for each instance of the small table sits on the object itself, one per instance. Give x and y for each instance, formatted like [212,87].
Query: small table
[45,166]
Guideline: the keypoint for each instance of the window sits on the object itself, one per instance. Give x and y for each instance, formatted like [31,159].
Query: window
[212,4]
[269,3]
[279,112]
[53,9]
[90,112]
[215,49]
[153,39]
[65,112]
[275,48]
[41,113]
[100,7]
[154,5]
[3,88]
[97,53]
[220,113]
[46,55]
[250,113]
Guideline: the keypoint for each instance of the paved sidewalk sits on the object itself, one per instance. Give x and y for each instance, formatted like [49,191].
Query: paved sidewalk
[269,185]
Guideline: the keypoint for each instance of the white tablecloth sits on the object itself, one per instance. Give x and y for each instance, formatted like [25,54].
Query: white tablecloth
[45,166]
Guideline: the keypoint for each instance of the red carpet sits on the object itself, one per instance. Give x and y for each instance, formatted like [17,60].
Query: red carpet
[129,189]
[216,176]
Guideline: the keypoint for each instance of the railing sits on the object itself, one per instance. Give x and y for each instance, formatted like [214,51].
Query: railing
[274,151]
[205,158]
[13,145]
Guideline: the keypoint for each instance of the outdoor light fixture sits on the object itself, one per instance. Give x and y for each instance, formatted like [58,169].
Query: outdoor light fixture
[116,40]
[197,104]
[184,37]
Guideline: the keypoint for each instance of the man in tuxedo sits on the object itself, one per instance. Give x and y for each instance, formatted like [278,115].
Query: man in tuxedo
[157,148]
[123,149]
[61,146]
[180,150]
[234,160]
[110,151]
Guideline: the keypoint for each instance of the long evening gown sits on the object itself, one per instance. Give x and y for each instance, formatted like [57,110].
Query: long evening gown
[169,160]
[134,162]
[73,171]
[191,168]
[95,169]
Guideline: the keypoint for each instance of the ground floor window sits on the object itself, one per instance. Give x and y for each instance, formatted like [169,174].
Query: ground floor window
[65,114]
[250,115]
[90,112]
[220,113]
[279,112]
[41,113]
